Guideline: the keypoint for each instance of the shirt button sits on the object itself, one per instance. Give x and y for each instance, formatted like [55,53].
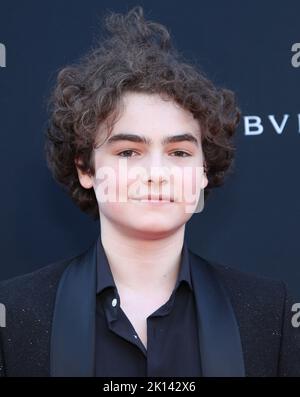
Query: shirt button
[135,336]
[114,302]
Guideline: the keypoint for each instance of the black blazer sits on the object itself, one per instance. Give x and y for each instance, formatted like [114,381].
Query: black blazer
[244,321]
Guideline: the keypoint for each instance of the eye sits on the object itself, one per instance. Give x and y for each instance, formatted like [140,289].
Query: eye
[181,153]
[126,152]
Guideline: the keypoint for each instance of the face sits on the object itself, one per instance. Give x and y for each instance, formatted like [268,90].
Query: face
[153,152]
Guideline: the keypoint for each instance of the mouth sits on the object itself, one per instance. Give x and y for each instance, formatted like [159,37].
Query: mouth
[154,199]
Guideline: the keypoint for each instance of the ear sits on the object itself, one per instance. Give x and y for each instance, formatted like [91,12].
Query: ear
[85,179]
[204,181]
[204,177]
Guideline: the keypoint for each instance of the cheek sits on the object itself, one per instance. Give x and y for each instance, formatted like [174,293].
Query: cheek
[112,187]
[188,186]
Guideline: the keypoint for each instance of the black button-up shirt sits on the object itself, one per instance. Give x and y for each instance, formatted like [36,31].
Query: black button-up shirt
[172,339]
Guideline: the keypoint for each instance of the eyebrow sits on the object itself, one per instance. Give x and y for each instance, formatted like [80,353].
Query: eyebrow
[147,141]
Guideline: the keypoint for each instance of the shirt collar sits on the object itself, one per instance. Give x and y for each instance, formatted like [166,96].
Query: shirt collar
[105,278]
[104,275]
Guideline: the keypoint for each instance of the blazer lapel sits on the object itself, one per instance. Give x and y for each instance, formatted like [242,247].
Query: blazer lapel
[73,328]
[219,337]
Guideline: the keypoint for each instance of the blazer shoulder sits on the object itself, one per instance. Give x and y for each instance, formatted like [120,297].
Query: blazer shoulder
[253,294]
[31,286]
[29,304]
[263,288]
[244,281]
[263,306]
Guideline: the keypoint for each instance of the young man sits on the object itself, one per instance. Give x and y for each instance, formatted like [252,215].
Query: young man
[131,124]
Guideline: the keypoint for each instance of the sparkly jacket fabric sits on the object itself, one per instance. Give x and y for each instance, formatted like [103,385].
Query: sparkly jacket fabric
[270,344]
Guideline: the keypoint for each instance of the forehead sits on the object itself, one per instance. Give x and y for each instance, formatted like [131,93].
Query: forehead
[154,116]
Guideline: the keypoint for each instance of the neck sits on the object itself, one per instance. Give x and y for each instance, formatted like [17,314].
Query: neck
[139,262]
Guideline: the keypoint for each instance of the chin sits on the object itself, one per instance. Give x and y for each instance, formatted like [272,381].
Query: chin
[154,229]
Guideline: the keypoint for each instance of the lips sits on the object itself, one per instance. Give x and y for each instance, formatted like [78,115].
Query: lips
[154,198]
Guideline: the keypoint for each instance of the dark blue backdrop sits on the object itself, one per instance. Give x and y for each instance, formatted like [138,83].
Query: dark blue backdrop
[252,222]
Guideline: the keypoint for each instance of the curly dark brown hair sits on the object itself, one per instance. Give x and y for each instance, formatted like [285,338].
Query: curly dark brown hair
[134,55]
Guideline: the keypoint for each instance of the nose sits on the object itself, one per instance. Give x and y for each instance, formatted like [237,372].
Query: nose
[156,170]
